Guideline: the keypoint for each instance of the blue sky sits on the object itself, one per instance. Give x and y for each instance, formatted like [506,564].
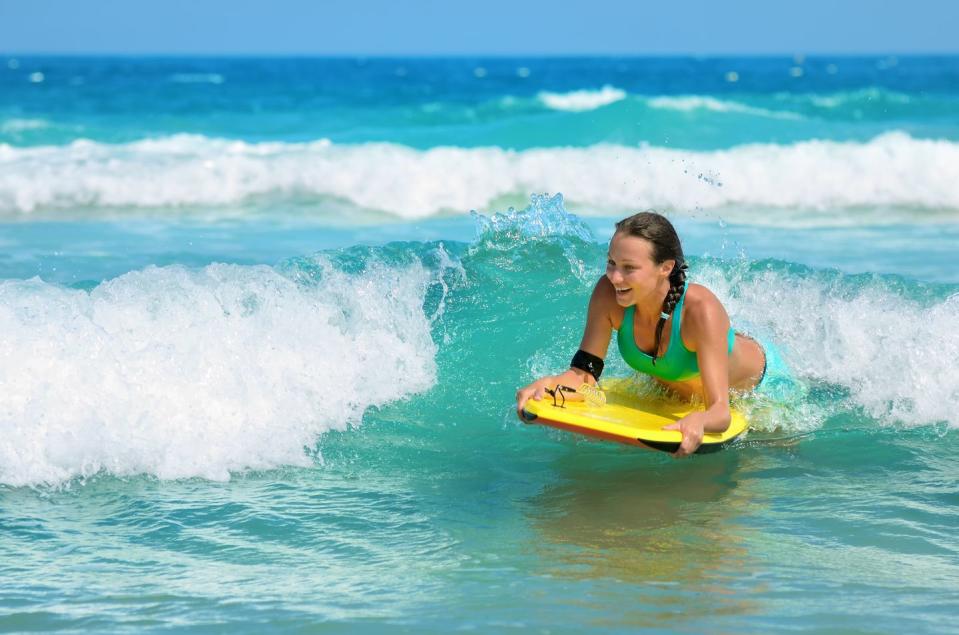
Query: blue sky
[477,27]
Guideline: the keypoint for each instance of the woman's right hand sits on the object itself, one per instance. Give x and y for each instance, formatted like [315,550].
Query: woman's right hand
[534,391]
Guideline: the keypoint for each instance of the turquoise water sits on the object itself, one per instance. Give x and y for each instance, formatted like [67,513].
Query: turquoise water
[258,358]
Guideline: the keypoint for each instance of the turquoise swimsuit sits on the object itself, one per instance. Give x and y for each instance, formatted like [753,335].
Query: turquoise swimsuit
[678,363]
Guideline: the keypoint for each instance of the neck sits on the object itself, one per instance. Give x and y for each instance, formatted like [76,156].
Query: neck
[649,307]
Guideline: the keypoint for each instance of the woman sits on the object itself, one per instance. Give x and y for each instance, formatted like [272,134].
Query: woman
[678,333]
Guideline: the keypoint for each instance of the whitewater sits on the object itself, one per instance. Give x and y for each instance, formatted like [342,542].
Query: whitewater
[890,171]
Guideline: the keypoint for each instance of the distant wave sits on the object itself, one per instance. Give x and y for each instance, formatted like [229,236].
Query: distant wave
[872,95]
[687,103]
[785,105]
[582,100]
[188,171]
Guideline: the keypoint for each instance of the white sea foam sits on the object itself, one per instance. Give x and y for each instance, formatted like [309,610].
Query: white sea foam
[688,103]
[582,100]
[185,373]
[895,356]
[893,170]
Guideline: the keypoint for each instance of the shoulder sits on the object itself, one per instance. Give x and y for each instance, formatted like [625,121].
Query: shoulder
[702,311]
[603,301]
[603,292]
[700,298]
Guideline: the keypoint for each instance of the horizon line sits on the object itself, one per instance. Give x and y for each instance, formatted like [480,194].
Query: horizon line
[463,55]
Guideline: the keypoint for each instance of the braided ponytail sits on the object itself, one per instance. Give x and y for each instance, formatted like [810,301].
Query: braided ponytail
[677,282]
[666,246]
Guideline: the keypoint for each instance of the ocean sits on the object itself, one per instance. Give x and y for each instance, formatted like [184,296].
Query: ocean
[262,321]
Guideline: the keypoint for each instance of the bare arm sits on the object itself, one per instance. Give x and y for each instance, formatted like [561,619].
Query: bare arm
[596,336]
[599,323]
[706,327]
[710,333]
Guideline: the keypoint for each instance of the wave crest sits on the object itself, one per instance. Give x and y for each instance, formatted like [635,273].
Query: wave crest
[180,373]
[582,100]
[688,103]
[893,170]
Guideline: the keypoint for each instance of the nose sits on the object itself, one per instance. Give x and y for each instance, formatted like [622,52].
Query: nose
[614,276]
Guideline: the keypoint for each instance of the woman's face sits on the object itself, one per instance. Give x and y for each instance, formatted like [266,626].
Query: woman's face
[632,271]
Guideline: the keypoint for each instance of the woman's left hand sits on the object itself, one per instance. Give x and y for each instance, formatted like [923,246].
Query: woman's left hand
[691,426]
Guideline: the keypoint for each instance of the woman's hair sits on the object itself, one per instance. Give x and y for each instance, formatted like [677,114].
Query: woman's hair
[666,246]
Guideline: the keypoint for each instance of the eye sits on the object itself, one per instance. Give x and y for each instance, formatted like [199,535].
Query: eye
[629,268]
[610,263]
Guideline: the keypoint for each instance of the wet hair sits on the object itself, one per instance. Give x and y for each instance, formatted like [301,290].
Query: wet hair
[661,234]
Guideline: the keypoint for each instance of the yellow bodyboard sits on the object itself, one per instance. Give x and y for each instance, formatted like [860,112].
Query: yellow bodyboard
[628,417]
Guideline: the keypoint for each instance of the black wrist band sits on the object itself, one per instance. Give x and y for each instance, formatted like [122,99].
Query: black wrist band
[588,362]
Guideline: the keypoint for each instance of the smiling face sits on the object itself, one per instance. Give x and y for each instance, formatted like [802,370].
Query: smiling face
[634,273]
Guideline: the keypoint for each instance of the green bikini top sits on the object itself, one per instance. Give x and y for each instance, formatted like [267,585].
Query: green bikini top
[678,363]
